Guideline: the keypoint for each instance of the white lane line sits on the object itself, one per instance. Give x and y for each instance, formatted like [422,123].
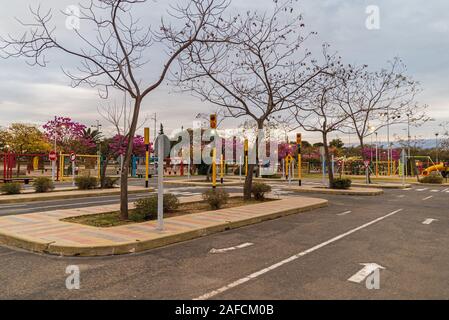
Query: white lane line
[401,196]
[434,190]
[422,189]
[429,221]
[292,258]
[367,270]
[344,213]
[445,190]
[12,206]
[430,197]
[244,245]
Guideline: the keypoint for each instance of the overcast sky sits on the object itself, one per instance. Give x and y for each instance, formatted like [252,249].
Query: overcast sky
[416,31]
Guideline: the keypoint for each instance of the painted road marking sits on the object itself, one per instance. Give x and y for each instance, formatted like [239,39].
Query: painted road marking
[430,197]
[422,189]
[292,258]
[429,221]
[401,196]
[445,190]
[434,190]
[344,213]
[244,245]
[367,270]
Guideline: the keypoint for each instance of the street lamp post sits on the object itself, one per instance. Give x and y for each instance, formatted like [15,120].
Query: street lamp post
[437,151]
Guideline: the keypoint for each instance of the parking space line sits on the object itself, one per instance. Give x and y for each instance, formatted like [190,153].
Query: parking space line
[430,197]
[292,258]
[344,213]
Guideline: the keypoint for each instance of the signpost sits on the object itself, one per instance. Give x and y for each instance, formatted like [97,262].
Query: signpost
[73,159]
[53,157]
[163,148]
[367,163]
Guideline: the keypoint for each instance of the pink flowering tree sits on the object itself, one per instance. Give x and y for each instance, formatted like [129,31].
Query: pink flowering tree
[119,145]
[68,135]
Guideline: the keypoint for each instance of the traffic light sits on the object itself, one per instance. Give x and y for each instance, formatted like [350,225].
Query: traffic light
[299,142]
[213,121]
[147,136]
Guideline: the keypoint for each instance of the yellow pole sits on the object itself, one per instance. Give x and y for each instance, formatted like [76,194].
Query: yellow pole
[99,167]
[147,156]
[287,167]
[214,168]
[222,169]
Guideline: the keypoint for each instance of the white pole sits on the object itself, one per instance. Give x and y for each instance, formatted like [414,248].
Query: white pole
[160,185]
[73,173]
[240,168]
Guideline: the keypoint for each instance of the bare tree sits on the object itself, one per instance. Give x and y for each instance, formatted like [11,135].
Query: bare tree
[320,112]
[255,73]
[118,49]
[380,98]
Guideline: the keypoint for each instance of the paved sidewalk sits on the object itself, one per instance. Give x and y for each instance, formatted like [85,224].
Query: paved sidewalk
[67,194]
[45,232]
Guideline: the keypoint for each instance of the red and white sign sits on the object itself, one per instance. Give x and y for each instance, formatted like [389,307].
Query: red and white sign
[72,156]
[53,156]
[367,163]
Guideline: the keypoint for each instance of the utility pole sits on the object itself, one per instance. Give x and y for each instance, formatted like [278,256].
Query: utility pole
[437,151]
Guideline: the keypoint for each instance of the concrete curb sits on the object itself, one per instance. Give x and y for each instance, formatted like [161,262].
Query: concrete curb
[349,192]
[139,246]
[382,185]
[205,184]
[46,197]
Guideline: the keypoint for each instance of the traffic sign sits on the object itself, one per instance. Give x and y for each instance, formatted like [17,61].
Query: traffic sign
[167,147]
[53,156]
[367,163]
[72,156]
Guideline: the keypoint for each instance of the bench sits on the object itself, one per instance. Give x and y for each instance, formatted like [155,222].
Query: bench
[24,180]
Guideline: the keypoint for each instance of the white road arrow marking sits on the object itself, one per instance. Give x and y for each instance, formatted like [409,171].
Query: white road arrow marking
[429,221]
[244,245]
[344,213]
[367,270]
[427,198]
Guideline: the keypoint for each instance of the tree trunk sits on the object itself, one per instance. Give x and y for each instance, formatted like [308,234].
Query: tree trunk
[327,156]
[365,158]
[104,167]
[124,213]
[247,189]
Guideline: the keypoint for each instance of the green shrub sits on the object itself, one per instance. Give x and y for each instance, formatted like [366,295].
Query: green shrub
[109,182]
[259,189]
[434,177]
[43,184]
[341,183]
[216,198]
[86,183]
[147,207]
[11,188]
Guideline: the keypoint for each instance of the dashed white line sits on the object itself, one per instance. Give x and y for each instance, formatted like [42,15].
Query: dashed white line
[292,258]
[344,213]
[422,189]
[430,197]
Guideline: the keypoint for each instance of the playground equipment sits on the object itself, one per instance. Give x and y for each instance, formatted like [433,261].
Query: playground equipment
[64,161]
[443,168]
[13,163]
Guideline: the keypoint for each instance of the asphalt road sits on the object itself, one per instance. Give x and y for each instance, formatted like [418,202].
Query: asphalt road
[305,256]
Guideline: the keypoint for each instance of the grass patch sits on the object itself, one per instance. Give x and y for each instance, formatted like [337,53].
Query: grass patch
[112,219]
